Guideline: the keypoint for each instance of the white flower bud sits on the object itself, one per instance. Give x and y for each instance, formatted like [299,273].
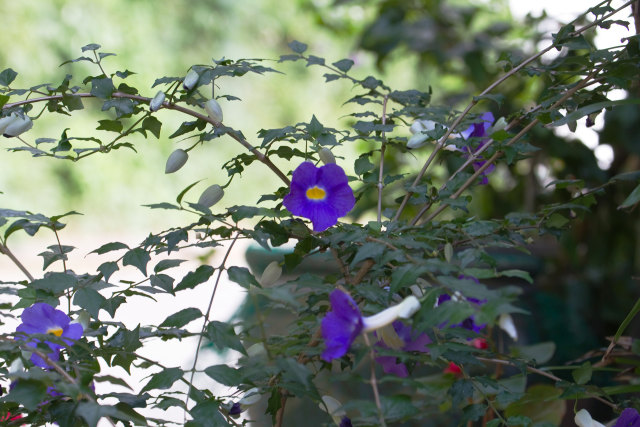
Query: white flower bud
[271,274]
[251,397]
[6,121]
[256,350]
[176,160]
[326,156]
[213,110]
[211,196]
[18,125]
[334,407]
[83,319]
[407,308]
[157,101]
[506,324]
[583,419]
[500,124]
[190,79]
[16,367]
[417,140]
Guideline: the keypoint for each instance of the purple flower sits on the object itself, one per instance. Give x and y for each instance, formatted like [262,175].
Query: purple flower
[411,342]
[342,325]
[41,318]
[479,130]
[468,323]
[320,194]
[628,418]
[345,422]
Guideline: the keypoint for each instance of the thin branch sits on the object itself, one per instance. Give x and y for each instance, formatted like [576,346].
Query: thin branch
[206,319]
[495,84]
[382,150]
[5,250]
[545,374]
[374,381]
[260,156]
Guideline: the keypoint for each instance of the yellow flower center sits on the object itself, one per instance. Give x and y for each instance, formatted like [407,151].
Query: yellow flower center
[316,193]
[55,331]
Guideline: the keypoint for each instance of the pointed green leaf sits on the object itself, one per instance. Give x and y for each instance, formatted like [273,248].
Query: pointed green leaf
[137,257]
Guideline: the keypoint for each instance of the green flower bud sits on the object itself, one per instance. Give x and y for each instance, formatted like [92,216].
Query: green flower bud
[190,79]
[213,110]
[18,125]
[176,160]
[211,196]
[271,274]
[326,156]
[157,101]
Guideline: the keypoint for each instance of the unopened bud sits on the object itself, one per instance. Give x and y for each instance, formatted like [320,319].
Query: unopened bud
[417,140]
[251,397]
[18,125]
[256,350]
[211,196]
[506,324]
[271,274]
[83,319]
[6,121]
[334,408]
[213,110]
[190,79]
[157,101]
[176,160]
[326,156]
[499,125]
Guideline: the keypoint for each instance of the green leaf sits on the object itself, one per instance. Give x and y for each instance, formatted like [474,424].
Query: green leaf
[153,125]
[223,336]
[524,275]
[123,107]
[7,76]
[56,283]
[368,250]
[163,379]
[27,392]
[72,102]
[242,276]
[541,353]
[207,414]
[225,375]
[137,257]
[632,199]
[90,46]
[297,47]
[634,310]
[102,87]
[583,111]
[582,375]
[460,391]
[107,269]
[90,300]
[162,281]
[108,247]
[166,264]
[363,165]
[183,192]
[110,125]
[181,318]
[194,278]
[343,65]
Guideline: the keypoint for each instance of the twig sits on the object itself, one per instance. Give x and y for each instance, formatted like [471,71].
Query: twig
[261,157]
[374,381]
[382,150]
[495,84]
[5,250]
[547,375]
[206,320]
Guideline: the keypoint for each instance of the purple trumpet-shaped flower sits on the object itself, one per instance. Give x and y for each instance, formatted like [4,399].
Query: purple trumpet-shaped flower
[468,323]
[321,194]
[411,341]
[479,130]
[628,418]
[342,325]
[41,318]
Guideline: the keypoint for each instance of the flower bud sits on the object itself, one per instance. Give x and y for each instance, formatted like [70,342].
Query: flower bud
[213,110]
[326,156]
[18,125]
[157,101]
[83,319]
[417,140]
[583,419]
[190,79]
[257,350]
[407,308]
[506,324]
[334,408]
[176,160]
[271,274]
[211,196]
[251,397]
[6,121]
